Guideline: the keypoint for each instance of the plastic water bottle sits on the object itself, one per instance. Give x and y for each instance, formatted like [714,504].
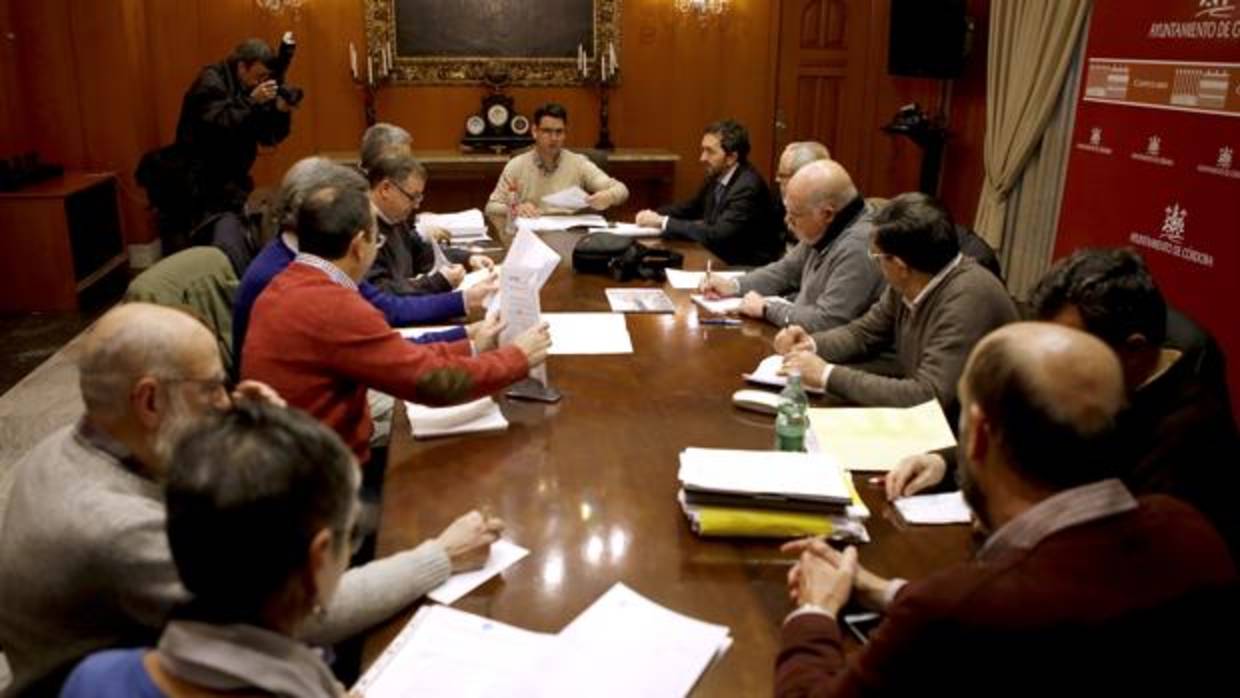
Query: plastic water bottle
[792,419]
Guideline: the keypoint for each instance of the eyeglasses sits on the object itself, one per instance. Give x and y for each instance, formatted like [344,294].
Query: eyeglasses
[415,199]
[380,238]
[878,257]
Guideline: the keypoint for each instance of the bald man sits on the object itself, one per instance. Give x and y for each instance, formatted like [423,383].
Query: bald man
[84,559]
[1079,585]
[796,155]
[828,279]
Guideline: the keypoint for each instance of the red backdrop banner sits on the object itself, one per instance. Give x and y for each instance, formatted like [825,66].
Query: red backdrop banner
[1153,162]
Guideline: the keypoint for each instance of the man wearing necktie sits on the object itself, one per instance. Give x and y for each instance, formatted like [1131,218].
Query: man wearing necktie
[731,214]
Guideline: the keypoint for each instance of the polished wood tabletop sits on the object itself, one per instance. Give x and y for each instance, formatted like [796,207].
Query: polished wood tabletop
[589,486]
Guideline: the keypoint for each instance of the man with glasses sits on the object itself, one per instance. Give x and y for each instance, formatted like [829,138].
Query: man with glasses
[84,559]
[548,168]
[937,306]
[826,280]
[406,264]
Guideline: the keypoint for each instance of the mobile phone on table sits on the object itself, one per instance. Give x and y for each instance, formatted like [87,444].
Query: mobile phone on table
[862,624]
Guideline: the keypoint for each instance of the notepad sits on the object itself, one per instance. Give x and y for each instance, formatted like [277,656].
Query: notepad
[504,554]
[692,280]
[877,438]
[947,508]
[481,415]
[720,306]
[639,300]
[540,224]
[767,373]
[630,230]
[446,653]
[570,199]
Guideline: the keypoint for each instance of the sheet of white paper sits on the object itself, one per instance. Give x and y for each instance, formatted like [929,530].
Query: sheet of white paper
[721,306]
[411,332]
[449,221]
[474,277]
[588,333]
[876,438]
[570,199]
[503,555]
[639,300]
[946,508]
[626,645]
[481,415]
[446,653]
[441,259]
[548,223]
[528,265]
[630,230]
[767,373]
[808,475]
[691,280]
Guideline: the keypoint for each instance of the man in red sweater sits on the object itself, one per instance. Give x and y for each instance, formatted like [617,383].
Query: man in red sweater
[315,340]
[1079,589]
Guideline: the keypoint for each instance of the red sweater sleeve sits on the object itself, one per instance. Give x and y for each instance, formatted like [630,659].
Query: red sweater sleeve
[364,348]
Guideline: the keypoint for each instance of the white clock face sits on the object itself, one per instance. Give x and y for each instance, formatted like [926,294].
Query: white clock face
[497,115]
[520,125]
[474,125]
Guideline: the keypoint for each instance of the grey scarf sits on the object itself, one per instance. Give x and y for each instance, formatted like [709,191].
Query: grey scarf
[237,657]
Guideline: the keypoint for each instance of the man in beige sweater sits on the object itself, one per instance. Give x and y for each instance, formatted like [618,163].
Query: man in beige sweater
[548,168]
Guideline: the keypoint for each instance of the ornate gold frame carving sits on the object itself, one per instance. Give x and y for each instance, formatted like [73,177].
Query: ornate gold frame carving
[380,27]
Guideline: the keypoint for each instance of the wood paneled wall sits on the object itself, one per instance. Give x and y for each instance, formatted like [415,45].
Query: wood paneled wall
[99,82]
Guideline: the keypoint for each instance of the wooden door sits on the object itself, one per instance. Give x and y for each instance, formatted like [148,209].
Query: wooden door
[823,48]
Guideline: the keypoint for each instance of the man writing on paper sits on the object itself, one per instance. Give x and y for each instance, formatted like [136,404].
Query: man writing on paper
[829,273]
[731,213]
[84,559]
[405,265]
[549,168]
[937,305]
[1178,430]
[318,342]
[1080,587]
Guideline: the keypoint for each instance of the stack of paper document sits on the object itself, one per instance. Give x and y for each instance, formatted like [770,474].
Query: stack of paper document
[588,333]
[541,224]
[622,645]
[768,373]
[742,522]
[630,230]
[465,227]
[639,300]
[691,280]
[946,508]
[877,438]
[470,418]
[719,306]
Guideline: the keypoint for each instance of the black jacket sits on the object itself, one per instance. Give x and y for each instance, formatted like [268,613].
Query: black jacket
[401,267]
[739,228]
[218,135]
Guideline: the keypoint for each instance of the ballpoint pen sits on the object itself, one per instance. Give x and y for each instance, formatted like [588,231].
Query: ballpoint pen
[726,321]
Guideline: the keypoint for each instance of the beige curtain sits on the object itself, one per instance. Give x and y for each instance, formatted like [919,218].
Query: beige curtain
[1031,49]
[1033,204]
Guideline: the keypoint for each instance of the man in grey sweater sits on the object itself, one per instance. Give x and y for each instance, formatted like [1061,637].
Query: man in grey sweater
[84,560]
[828,275]
[938,304]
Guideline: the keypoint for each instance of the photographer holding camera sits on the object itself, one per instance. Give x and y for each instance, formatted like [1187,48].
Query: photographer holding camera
[231,109]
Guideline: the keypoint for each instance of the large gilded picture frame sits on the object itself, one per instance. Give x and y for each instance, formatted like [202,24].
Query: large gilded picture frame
[520,52]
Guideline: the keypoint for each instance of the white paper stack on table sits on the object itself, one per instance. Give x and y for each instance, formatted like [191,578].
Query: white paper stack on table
[622,645]
[541,224]
[588,333]
[639,300]
[631,230]
[691,280]
[465,227]
[481,415]
[767,373]
[877,438]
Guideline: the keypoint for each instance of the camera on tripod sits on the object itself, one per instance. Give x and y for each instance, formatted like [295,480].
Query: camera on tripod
[279,68]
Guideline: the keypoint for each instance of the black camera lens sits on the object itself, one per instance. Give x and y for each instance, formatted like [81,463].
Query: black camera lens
[291,95]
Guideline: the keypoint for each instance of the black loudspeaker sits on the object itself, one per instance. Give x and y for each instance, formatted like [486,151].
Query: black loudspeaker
[929,38]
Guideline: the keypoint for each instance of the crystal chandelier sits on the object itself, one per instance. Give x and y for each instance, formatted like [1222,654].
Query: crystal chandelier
[703,9]
[278,6]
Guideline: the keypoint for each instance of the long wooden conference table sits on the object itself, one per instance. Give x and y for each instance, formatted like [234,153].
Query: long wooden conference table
[589,486]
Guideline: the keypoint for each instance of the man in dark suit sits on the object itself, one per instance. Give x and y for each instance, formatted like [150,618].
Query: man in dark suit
[1079,586]
[731,214]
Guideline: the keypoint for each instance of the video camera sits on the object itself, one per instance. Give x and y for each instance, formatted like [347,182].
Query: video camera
[279,68]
